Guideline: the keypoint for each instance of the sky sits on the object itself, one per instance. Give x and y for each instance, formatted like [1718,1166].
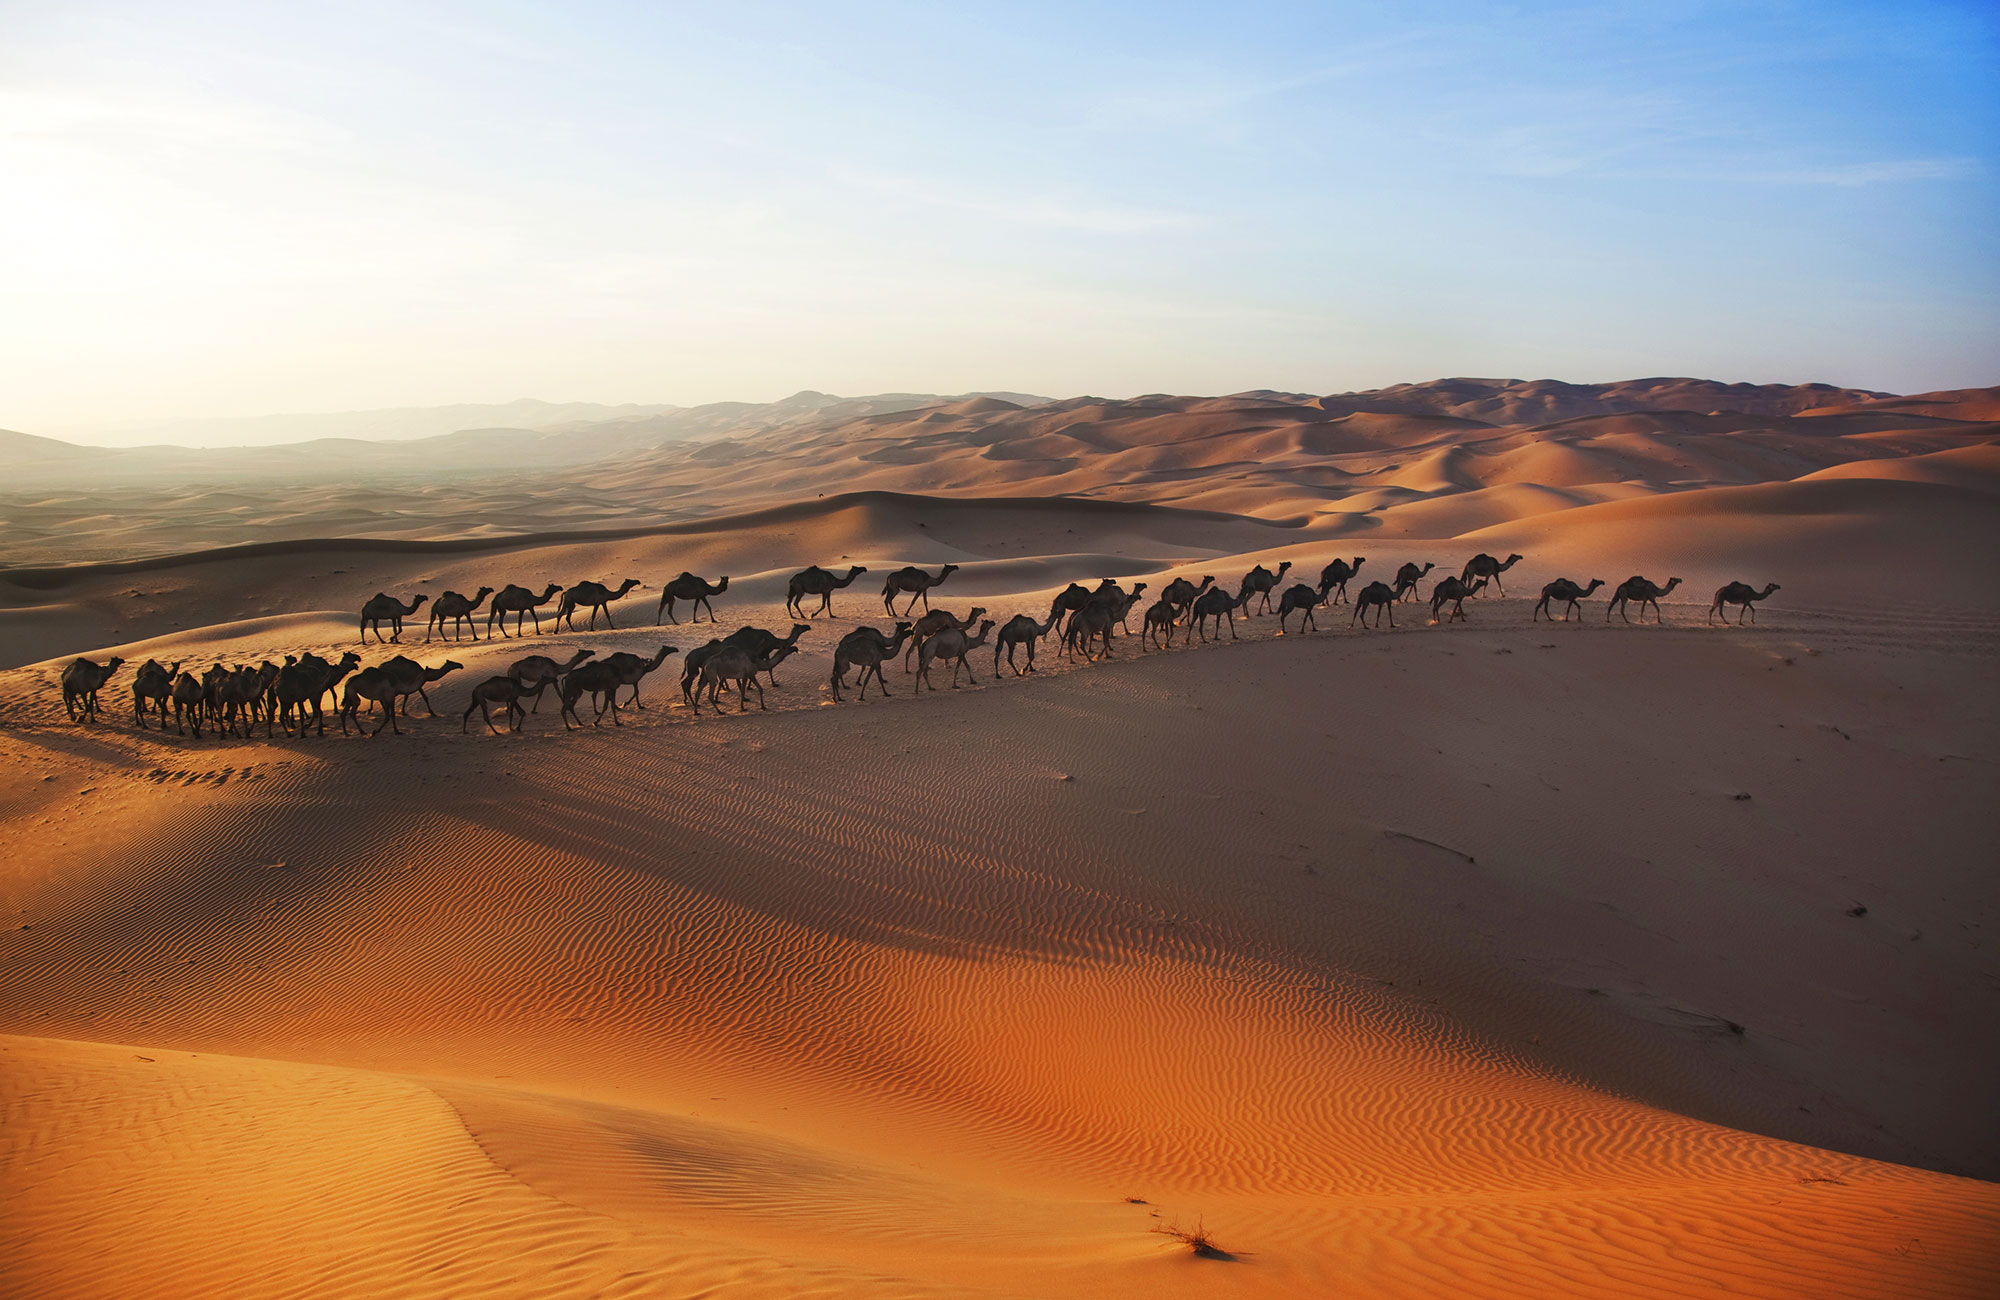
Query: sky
[233,209]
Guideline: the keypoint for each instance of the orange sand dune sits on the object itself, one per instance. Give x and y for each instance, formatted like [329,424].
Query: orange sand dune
[1495,959]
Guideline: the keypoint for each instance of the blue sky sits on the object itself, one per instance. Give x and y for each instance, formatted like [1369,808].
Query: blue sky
[238,208]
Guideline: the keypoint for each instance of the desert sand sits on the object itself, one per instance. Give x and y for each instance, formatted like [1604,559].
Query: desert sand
[1497,958]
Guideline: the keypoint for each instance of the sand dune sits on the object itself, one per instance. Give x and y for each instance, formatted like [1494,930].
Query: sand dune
[1492,959]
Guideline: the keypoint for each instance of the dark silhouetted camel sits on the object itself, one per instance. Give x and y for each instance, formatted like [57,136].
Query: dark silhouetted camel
[151,686]
[382,607]
[1334,577]
[1453,591]
[1409,576]
[866,648]
[1569,593]
[815,581]
[1021,630]
[1483,565]
[537,673]
[1738,593]
[81,681]
[631,669]
[1261,582]
[496,690]
[1379,596]
[732,664]
[593,595]
[1645,593]
[522,604]
[914,581]
[694,590]
[1216,604]
[1301,598]
[952,644]
[459,609]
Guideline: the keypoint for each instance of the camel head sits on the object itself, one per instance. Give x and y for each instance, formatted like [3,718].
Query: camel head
[721,585]
[854,571]
[578,658]
[661,657]
[481,594]
[624,587]
[416,603]
[1283,567]
[1477,585]
[1769,587]
[977,610]
[946,572]
[1512,560]
[798,630]
[1671,584]
[1595,583]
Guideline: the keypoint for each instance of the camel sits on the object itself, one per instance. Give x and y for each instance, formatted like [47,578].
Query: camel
[407,677]
[537,673]
[815,581]
[1454,590]
[1409,576]
[152,684]
[1301,598]
[373,685]
[631,669]
[80,683]
[759,641]
[1382,597]
[917,583]
[459,609]
[305,682]
[1123,609]
[239,693]
[1483,565]
[735,664]
[382,606]
[1637,588]
[955,645]
[496,690]
[522,604]
[1569,593]
[1262,582]
[1180,593]
[1162,614]
[1333,578]
[1091,623]
[601,683]
[1218,605]
[933,623]
[188,698]
[695,591]
[1069,600]
[1022,629]
[595,595]
[1736,593]
[866,648]
[211,693]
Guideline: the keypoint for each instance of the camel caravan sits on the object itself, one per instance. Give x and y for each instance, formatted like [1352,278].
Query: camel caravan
[231,701]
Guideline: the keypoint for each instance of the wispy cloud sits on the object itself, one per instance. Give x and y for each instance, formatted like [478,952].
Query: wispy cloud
[1021,209]
[1893,171]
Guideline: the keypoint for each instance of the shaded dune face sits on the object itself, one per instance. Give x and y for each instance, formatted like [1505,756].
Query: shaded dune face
[1500,959]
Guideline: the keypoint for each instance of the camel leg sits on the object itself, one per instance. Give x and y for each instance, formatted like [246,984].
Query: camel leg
[745,699]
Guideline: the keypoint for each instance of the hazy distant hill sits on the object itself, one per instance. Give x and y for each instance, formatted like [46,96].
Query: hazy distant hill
[388,424]
[1388,461]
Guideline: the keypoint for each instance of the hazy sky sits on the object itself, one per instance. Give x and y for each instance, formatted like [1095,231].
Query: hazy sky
[212,209]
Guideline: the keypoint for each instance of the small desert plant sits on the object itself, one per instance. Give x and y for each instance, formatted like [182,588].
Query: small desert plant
[1195,1239]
